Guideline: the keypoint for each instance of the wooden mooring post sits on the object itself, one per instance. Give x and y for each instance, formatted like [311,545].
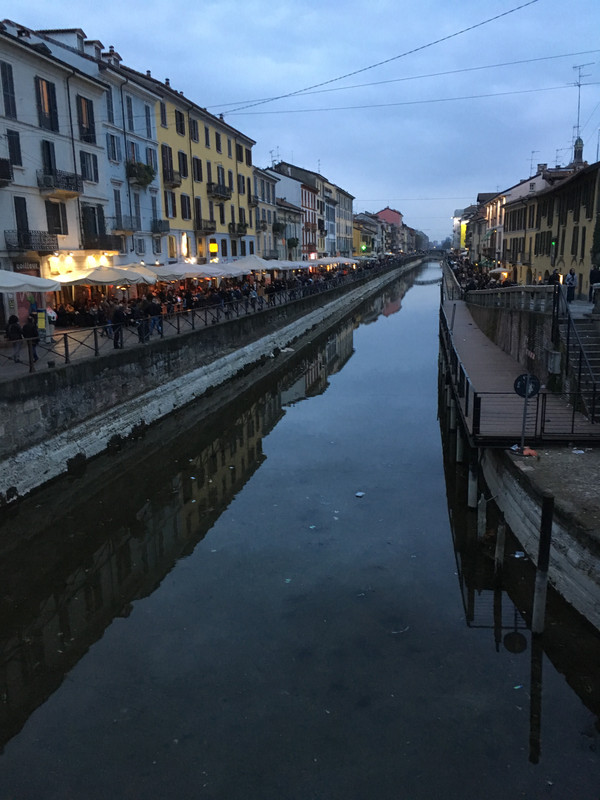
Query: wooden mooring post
[538,617]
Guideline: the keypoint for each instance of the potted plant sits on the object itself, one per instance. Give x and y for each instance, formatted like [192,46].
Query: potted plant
[140,173]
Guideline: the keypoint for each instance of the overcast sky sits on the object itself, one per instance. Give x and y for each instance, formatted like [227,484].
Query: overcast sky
[394,134]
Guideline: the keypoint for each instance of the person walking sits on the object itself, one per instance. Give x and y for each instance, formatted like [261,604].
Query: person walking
[571,284]
[119,320]
[594,278]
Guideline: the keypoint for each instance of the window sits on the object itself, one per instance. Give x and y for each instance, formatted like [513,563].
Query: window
[194,135]
[14,148]
[222,213]
[239,152]
[186,207]
[48,157]
[157,245]
[209,172]
[133,151]
[117,204]
[129,112]
[220,175]
[241,184]
[224,248]
[180,122]
[575,241]
[166,155]
[242,213]
[206,136]
[148,113]
[233,248]
[197,169]
[89,166]
[85,118]
[45,95]
[232,209]
[183,164]
[229,147]
[113,147]
[152,158]
[197,209]
[248,157]
[583,230]
[249,187]
[243,247]
[211,211]
[8,90]
[110,109]
[140,246]
[251,244]
[218,142]
[170,209]
[163,115]
[229,179]
[172,246]
[56,217]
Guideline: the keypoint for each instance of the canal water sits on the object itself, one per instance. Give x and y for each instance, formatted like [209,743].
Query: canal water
[284,601]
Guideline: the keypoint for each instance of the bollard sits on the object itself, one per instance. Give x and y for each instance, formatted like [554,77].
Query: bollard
[538,616]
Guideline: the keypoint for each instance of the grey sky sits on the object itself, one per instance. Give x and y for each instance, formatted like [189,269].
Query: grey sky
[379,141]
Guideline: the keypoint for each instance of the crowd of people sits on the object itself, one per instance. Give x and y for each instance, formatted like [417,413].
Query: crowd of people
[147,311]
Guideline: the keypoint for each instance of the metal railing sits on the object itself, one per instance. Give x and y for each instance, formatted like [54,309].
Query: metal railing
[496,418]
[66,346]
[539,299]
[59,180]
[42,241]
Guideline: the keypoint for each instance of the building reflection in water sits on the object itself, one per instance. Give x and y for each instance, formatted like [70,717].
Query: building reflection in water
[79,552]
[501,601]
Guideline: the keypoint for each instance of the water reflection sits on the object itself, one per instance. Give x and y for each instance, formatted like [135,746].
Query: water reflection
[79,552]
[500,600]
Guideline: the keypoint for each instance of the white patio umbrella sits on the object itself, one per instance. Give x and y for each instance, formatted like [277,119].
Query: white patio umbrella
[248,264]
[17,282]
[106,276]
[181,271]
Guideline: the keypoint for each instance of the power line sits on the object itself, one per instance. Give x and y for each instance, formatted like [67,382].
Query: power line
[389,60]
[304,93]
[408,102]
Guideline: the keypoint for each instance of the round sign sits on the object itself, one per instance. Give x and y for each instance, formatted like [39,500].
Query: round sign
[521,387]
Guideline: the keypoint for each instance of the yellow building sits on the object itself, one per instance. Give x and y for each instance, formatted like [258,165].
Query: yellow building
[205,167]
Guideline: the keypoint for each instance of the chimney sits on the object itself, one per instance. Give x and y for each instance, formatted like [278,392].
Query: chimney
[148,73]
[542,168]
[167,82]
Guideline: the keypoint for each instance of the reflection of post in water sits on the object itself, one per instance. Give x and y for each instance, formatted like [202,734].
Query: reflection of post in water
[535,703]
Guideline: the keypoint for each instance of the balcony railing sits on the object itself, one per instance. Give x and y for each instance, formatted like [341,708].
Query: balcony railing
[171,179]
[42,241]
[6,172]
[59,183]
[238,228]
[203,226]
[218,190]
[124,223]
[253,200]
[101,241]
[160,226]
[278,228]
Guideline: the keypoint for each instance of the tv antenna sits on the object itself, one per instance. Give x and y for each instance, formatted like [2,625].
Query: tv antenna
[533,152]
[577,83]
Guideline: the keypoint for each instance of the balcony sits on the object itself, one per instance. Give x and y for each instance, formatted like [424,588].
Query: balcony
[253,200]
[218,190]
[238,228]
[60,184]
[6,172]
[139,174]
[271,254]
[160,226]
[204,226]
[100,241]
[124,224]
[278,228]
[171,179]
[40,241]
[261,225]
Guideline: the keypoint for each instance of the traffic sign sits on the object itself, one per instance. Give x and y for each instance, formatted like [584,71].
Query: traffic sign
[527,385]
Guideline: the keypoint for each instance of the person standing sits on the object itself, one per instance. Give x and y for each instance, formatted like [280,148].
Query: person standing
[32,335]
[571,284]
[118,322]
[14,334]
[594,278]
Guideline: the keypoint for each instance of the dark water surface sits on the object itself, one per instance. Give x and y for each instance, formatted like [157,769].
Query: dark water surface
[224,618]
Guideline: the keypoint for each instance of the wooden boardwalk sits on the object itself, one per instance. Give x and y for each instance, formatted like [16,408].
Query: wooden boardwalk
[483,377]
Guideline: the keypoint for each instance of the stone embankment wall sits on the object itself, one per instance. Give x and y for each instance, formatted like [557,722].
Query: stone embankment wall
[574,568]
[51,419]
[524,335]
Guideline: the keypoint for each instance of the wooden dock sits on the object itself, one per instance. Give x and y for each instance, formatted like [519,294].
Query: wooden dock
[483,378]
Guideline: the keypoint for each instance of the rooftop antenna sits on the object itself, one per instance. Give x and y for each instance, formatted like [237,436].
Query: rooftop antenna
[533,152]
[579,67]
